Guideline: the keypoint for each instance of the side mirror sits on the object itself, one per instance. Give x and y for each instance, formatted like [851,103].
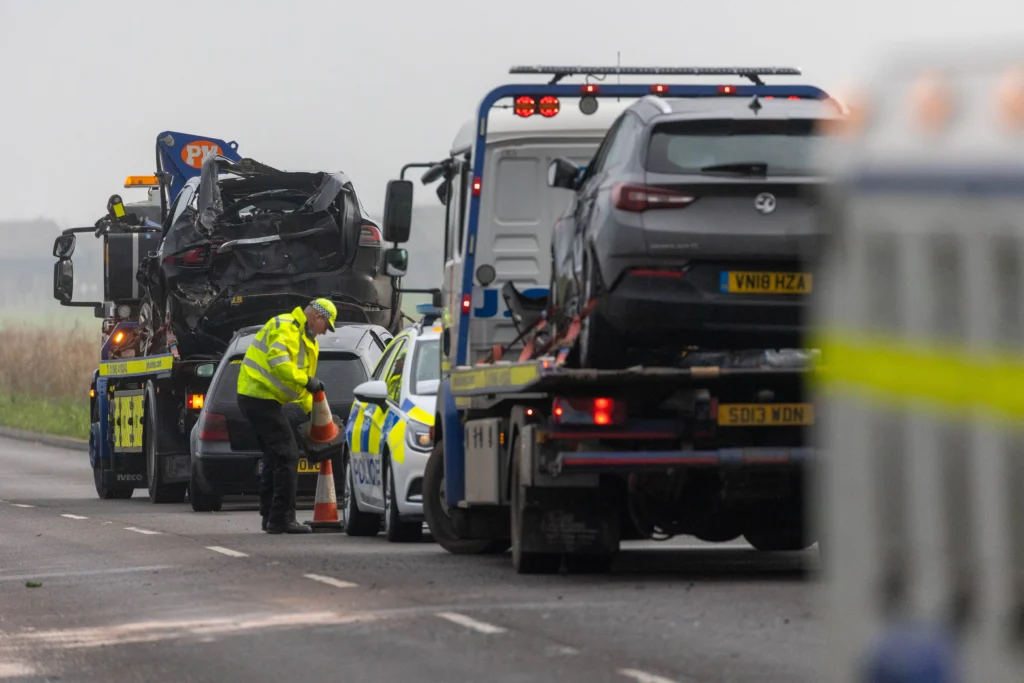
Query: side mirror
[206,370]
[398,211]
[63,281]
[563,173]
[434,172]
[64,247]
[396,262]
[374,391]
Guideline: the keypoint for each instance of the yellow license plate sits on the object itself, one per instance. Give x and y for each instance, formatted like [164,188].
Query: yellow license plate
[307,467]
[765,414]
[754,282]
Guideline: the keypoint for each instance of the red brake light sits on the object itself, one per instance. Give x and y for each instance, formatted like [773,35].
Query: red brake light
[369,236]
[588,411]
[654,272]
[659,89]
[525,106]
[727,90]
[476,186]
[213,427]
[467,303]
[590,88]
[195,401]
[641,198]
[549,106]
[793,97]
[192,257]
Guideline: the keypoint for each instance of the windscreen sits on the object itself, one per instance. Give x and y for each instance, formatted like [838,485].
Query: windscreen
[427,372]
[340,373]
[786,147]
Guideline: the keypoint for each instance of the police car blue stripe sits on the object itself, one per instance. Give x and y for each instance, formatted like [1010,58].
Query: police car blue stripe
[407,405]
[364,435]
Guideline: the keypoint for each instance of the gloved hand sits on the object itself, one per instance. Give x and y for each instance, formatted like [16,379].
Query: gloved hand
[314,385]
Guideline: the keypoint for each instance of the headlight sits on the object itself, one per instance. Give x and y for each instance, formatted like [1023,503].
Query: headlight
[418,436]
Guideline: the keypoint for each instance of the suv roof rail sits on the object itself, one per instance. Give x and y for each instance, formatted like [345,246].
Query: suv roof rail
[752,73]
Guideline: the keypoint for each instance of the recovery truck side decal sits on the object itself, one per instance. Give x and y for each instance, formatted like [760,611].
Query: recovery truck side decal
[508,378]
[137,366]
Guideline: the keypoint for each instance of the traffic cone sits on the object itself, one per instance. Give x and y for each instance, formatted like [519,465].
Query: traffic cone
[322,428]
[325,508]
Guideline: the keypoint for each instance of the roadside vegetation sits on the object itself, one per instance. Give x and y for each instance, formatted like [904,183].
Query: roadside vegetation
[44,378]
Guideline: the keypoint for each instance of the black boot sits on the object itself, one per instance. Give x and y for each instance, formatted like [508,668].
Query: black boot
[289,526]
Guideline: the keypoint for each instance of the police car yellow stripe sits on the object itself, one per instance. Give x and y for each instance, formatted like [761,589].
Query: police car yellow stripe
[942,378]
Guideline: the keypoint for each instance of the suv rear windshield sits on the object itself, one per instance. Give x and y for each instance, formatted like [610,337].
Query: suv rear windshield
[340,373]
[788,147]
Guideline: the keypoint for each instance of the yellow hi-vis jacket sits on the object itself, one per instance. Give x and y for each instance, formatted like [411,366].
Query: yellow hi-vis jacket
[280,361]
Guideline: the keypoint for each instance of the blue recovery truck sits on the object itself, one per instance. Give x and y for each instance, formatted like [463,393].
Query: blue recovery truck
[561,463]
[142,406]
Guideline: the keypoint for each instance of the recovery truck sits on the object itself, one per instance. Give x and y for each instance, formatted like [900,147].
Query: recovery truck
[564,463]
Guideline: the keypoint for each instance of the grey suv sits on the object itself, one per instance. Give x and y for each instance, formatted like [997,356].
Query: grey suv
[694,225]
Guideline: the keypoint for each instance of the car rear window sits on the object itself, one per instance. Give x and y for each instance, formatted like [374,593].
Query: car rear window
[788,147]
[340,373]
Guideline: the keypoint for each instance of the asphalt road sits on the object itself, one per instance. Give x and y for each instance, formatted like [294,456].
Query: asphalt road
[138,592]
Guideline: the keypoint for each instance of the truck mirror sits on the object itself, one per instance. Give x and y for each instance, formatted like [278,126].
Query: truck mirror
[63,281]
[563,173]
[398,211]
[396,262]
[434,172]
[64,246]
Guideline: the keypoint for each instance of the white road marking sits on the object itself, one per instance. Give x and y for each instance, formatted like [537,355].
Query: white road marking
[329,581]
[225,551]
[71,516]
[560,650]
[15,670]
[141,531]
[463,620]
[87,572]
[22,505]
[644,677]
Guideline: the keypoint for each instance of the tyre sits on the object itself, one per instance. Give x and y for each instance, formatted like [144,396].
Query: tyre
[159,492]
[599,346]
[112,493]
[356,522]
[778,530]
[588,564]
[203,502]
[524,562]
[396,530]
[435,509]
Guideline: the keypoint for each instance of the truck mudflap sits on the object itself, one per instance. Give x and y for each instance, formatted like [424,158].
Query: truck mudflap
[633,461]
[127,469]
[573,521]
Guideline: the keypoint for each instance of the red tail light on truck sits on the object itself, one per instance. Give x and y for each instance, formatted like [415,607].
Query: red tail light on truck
[588,411]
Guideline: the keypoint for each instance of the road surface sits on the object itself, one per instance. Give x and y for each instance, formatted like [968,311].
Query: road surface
[137,592]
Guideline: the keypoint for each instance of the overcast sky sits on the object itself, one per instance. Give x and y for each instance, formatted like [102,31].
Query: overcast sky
[364,86]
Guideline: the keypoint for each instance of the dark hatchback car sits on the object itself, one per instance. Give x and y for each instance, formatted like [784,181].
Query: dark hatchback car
[694,225]
[226,457]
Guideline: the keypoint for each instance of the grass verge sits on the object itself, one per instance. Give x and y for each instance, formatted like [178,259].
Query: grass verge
[59,417]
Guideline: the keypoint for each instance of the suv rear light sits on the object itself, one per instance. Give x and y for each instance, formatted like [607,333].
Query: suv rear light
[369,236]
[588,411]
[641,198]
[213,427]
[193,257]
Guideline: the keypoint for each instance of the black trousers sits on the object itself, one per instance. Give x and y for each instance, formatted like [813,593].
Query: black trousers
[280,457]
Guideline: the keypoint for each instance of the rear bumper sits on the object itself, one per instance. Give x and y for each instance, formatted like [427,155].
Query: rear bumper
[238,475]
[635,461]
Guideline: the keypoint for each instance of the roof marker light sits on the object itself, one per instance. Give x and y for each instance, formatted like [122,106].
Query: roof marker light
[525,106]
[727,90]
[467,304]
[141,181]
[549,106]
[659,89]
[590,88]
[476,186]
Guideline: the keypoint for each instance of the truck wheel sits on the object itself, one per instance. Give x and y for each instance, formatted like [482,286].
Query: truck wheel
[159,492]
[357,522]
[435,509]
[112,493]
[588,564]
[203,502]
[396,530]
[524,562]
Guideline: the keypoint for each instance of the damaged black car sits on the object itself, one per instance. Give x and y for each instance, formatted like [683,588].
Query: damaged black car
[245,241]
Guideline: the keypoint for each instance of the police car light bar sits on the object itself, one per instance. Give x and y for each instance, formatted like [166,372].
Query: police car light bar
[752,73]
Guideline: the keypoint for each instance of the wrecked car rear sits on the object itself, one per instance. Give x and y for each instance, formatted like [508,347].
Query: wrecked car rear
[245,241]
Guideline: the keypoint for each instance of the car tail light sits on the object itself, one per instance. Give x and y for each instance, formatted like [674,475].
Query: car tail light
[588,411]
[213,427]
[656,272]
[641,198]
[193,257]
[369,236]
[195,401]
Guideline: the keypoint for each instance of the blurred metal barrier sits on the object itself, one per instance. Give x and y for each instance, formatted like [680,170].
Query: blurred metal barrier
[920,320]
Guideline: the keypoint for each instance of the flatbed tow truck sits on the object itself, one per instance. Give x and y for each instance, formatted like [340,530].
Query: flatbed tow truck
[563,463]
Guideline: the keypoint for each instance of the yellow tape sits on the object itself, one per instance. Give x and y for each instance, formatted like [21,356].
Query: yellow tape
[944,378]
[117,368]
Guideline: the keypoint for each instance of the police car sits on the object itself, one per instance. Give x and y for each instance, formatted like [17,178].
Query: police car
[389,436]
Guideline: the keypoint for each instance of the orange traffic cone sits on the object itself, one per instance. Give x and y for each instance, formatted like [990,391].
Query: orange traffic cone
[322,428]
[325,508]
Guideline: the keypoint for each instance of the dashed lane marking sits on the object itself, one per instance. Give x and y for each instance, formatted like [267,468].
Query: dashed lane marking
[148,532]
[71,516]
[22,505]
[330,581]
[644,677]
[470,623]
[225,551]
